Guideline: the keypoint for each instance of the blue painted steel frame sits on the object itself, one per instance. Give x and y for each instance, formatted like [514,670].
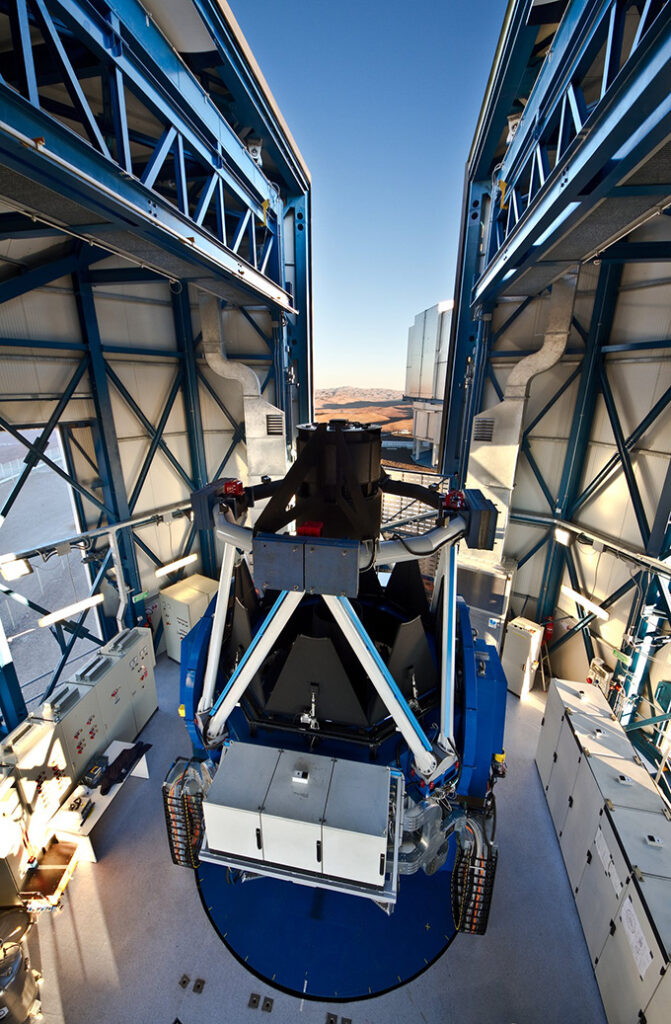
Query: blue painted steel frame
[181,310]
[132,51]
[631,118]
[126,52]
[12,705]
[588,388]
[107,446]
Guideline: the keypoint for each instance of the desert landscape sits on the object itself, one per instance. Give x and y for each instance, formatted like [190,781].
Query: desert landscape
[380,406]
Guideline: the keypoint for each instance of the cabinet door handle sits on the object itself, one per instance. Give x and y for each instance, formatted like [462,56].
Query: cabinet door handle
[613,927]
[570,801]
[258,838]
[319,851]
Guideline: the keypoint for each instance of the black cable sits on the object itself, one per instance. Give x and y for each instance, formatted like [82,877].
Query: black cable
[365,568]
[425,554]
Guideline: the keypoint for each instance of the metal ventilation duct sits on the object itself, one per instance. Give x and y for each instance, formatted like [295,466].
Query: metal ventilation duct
[265,432]
[497,432]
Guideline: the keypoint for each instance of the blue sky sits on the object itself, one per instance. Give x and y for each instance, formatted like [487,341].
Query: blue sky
[382,99]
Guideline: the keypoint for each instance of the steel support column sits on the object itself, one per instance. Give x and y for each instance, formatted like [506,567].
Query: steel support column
[463,335]
[581,426]
[299,329]
[109,459]
[12,704]
[181,312]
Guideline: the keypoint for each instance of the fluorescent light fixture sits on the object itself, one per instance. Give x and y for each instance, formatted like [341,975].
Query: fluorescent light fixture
[70,610]
[16,569]
[562,536]
[174,566]
[585,603]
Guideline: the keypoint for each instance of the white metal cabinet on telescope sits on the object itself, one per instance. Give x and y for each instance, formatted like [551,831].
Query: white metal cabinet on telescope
[182,605]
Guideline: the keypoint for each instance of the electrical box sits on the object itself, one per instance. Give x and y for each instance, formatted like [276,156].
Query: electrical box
[13,850]
[636,953]
[314,814]
[521,654]
[76,709]
[136,649]
[600,675]
[182,605]
[111,679]
[42,772]
[614,830]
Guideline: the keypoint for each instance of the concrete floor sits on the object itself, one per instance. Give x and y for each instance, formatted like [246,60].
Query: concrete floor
[132,924]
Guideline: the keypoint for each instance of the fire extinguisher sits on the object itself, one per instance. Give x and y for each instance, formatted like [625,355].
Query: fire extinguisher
[549,624]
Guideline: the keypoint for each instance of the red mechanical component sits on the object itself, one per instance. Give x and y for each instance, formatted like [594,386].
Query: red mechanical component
[549,629]
[310,529]
[234,488]
[455,501]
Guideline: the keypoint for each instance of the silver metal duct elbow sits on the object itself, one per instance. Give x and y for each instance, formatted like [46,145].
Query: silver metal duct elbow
[560,315]
[214,350]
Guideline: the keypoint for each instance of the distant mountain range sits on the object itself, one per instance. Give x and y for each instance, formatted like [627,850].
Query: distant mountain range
[381,406]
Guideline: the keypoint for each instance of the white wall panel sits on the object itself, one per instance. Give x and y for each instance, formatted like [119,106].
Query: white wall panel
[557,420]
[135,314]
[47,314]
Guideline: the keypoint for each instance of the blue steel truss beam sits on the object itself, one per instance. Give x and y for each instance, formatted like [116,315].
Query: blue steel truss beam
[218,400]
[12,705]
[251,102]
[604,144]
[613,464]
[18,436]
[295,365]
[540,479]
[80,622]
[87,174]
[575,583]
[599,332]
[106,442]
[67,625]
[40,444]
[20,29]
[463,334]
[611,600]
[45,269]
[491,376]
[68,442]
[155,441]
[628,469]
[181,311]
[529,554]
[148,426]
[551,401]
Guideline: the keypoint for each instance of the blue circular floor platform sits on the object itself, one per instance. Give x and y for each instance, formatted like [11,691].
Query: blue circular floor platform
[324,945]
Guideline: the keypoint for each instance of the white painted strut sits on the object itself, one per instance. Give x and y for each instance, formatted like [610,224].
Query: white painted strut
[384,683]
[217,635]
[252,660]
[449,640]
